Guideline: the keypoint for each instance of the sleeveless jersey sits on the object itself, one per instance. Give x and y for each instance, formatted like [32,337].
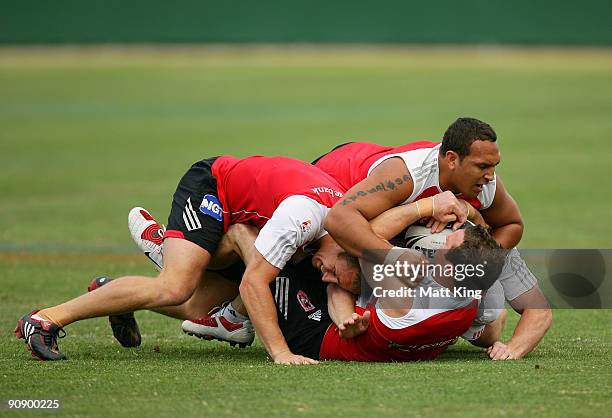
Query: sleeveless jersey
[351,163]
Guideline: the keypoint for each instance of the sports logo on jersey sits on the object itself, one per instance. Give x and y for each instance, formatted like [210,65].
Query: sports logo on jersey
[281,295]
[304,301]
[190,217]
[210,206]
[306,226]
[315,316]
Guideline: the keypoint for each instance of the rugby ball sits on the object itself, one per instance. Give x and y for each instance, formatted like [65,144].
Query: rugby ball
[419,237]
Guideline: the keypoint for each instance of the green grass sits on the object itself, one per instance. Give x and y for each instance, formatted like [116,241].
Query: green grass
[87,134]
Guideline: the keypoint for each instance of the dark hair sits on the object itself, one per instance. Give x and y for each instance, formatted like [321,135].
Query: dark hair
[463,132]
[479,248]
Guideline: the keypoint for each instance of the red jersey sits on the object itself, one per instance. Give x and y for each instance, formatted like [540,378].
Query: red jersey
[250,189]
[424,340]
[351,163]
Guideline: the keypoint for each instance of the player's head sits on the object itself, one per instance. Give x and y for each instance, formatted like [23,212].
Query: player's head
[337,266]
[474,246]
[469,151]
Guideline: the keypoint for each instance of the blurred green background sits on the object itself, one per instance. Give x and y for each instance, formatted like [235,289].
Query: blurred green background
[317,21]
[88,133]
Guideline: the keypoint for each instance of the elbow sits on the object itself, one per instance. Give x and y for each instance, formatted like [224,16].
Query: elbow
[520,228]
[246,284]
[547,318]
[330,224]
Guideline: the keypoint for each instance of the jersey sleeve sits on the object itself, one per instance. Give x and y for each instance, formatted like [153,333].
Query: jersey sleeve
[516,278]
[297,221]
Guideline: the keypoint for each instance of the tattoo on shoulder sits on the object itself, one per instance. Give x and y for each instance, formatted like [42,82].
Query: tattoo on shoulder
[384,186]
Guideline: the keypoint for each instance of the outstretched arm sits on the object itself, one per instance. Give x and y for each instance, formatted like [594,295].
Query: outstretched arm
[536,319]
[255,292]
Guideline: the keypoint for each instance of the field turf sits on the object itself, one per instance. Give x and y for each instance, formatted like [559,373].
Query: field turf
[86,134]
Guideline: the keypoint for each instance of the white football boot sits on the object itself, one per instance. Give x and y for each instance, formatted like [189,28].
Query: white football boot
[216,327]
[148,235]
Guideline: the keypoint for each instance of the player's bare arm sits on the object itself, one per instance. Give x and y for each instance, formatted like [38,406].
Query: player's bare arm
[491,332]
[504,217]
[536,319]
[391,222]
[341,307]
[255,292]
[240,238]
[388,185]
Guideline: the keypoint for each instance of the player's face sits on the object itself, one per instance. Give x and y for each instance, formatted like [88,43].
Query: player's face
[476,169]
[335,269]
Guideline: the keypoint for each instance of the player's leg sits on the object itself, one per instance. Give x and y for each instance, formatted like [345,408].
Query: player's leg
[211,292]
[229,321]
[211,300]
[183,266]
[191,239]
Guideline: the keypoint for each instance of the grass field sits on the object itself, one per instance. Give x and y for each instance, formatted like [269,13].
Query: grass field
[86,134]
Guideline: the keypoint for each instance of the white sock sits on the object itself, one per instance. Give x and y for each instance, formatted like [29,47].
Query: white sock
[230,313]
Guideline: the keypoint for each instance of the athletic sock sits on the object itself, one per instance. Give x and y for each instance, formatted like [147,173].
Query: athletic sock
[48,316]
[231,314]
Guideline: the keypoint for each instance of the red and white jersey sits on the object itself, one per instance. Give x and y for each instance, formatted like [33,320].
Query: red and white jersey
[286,198]
[422,334]
[353,162]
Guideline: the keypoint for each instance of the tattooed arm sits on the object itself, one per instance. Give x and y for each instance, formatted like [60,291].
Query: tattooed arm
[388,186]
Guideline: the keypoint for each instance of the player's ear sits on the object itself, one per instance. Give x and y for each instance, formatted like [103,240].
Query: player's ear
[452,159]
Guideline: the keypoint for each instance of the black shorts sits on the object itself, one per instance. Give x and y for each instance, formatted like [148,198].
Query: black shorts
[301,306]
[233,273]
[197,214]
[335,148]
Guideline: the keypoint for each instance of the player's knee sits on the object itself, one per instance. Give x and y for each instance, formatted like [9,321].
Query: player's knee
[174,290]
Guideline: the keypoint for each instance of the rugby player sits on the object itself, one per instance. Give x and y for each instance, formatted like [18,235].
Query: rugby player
[418,329]
[287,199]
[378,178]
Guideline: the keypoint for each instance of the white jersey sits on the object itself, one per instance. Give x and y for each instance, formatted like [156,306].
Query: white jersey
[422,163]
[297,221]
